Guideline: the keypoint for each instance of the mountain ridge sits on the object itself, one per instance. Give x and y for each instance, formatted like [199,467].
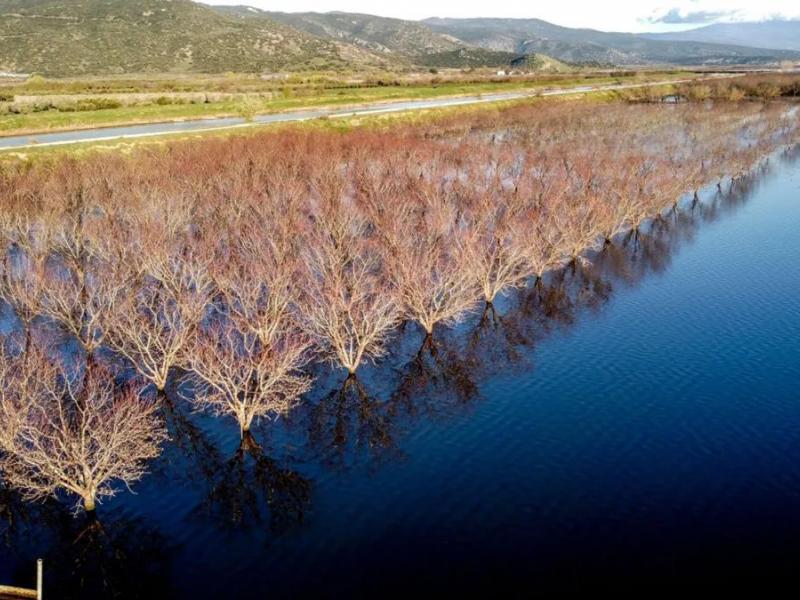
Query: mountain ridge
[99,37]
[772,34]
[76,37]
[407,42]
[593,46]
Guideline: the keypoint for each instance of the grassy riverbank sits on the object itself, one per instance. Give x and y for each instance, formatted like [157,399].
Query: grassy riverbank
[370,122]
[747,88]
[45,106]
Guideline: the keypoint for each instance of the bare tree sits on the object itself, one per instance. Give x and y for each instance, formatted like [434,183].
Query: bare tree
[23,377]
[82,287]
[546,248]
[579,221]
[258,274]
[349,307]
[76,435]
[430,264]
[154,322]
[498,243]
[24,274]
[247,378]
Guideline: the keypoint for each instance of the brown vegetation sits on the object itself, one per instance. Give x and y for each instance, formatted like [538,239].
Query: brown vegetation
[760,87]
[237,261]
[80,435]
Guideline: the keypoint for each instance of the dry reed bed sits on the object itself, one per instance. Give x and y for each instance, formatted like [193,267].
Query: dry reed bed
[240,261]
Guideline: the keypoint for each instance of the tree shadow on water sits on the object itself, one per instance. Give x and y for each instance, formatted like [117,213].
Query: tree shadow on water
[85,557]
[189,440]
[348,423]
[252,486]
[434,382]
[118,559]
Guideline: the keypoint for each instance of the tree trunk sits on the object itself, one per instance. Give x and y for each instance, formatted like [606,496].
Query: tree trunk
[91,361]
[28,338]
[248,443]
[427,344]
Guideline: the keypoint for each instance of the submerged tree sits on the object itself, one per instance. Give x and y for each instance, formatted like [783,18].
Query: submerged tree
[63,432]
[498,245]
[155,321]
[81,289]
[430,263]
[246,378]
[349,306]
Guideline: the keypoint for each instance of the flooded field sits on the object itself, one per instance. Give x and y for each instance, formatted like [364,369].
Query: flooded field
[631,418]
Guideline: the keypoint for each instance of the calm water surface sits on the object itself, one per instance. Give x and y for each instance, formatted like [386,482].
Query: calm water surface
[634,423]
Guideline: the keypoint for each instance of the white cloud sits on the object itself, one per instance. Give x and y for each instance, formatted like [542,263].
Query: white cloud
[693,12]
[623,15]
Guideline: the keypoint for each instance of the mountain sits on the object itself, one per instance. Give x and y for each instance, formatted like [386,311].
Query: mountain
[397,40]
[778,35]
[377,34]
[97,37]
[526,36]
[76,37]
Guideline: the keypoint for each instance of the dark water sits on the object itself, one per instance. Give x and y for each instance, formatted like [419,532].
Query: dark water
[633,424]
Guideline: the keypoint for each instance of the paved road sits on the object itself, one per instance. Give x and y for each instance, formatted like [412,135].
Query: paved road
[213,124]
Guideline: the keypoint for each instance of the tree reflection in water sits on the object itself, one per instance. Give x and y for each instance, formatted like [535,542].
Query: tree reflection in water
[444,375]
[15,515]
[437,380]
[349,421]
[205,459]
[120,558]
[252,483]
[89,558]
[497,338]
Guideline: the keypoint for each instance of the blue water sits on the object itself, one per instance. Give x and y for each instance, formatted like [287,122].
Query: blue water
[632,424]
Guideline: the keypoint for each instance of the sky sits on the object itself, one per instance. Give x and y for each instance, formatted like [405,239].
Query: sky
[607,15]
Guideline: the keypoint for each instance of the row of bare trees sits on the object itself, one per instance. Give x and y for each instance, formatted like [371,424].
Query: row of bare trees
[237,262]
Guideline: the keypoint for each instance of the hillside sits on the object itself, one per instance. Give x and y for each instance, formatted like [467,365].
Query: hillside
[399,41]
[548,64]
[378,34]
[98,37]
[75,37]
[778,35]
[526,36]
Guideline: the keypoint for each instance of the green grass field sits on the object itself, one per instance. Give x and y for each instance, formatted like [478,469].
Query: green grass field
[384,121]
[283,99]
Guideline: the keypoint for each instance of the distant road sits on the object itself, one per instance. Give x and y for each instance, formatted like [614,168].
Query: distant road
[104,134]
